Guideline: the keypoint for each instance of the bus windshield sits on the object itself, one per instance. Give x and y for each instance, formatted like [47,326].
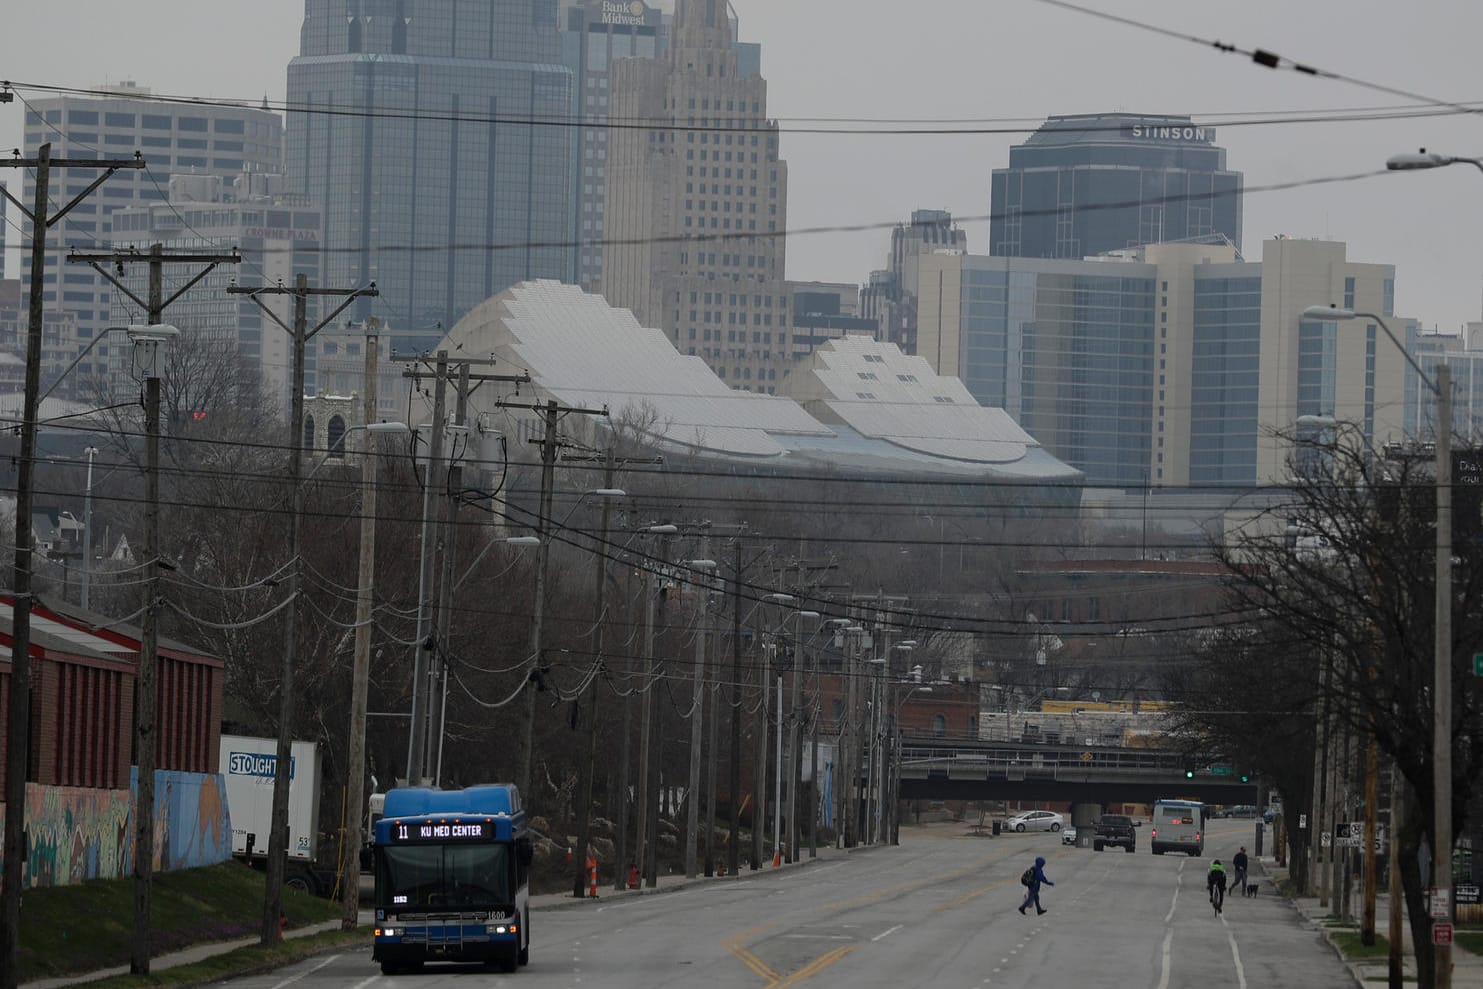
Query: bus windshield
[444,876]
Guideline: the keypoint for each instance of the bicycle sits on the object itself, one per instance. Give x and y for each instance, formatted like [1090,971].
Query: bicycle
[1217,897]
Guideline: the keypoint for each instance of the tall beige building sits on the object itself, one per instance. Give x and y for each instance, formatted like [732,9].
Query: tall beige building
[697,202]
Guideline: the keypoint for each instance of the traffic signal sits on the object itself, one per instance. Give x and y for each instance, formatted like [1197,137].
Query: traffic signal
[1245,778]
[1189,774]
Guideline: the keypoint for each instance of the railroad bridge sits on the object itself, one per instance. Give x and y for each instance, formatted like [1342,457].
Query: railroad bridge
[937,769]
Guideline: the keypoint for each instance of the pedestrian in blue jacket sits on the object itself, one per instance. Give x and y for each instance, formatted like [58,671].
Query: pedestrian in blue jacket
[1032,890]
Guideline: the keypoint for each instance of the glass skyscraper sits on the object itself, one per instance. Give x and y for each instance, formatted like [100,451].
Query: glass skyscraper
[1093,183]
[1175,365]
[435,138]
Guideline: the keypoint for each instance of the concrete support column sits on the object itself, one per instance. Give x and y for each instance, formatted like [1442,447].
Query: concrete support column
[1084,820]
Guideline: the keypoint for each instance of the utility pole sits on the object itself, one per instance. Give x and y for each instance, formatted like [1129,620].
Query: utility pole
[18,718]
[145,736]
[732,851]
[448,538]
[697,717]
[361,668]
[599,622]
[551,413]
[429,648]
[278,835]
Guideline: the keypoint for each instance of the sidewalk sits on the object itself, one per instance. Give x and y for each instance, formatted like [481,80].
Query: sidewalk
[1467,968]
[545,901]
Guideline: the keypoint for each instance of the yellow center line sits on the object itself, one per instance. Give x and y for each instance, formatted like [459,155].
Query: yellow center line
[733,945]
[814,967]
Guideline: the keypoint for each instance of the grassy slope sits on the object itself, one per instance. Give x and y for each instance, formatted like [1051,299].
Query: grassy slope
[70,929]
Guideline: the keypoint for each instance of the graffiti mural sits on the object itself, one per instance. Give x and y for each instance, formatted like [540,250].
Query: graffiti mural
[74,834]
[191,827]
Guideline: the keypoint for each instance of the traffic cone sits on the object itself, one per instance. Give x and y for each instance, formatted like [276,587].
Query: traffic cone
[282,925]
[777,858]
[633,877]
[592,872]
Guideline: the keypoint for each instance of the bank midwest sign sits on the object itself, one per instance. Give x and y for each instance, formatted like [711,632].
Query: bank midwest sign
[631,14]
[1168,132]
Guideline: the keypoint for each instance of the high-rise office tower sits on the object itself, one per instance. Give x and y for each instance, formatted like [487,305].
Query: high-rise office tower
[889,298]
[175,138]
[278,236]
[433,135]
[1176,365]
[697,204]
[1093,183]
[595,34]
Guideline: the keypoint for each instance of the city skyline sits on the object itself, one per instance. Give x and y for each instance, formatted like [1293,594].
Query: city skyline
[877,179]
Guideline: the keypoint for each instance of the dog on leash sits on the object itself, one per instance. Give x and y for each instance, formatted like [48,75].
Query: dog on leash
[1251,889]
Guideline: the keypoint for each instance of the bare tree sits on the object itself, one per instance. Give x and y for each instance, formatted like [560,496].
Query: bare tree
[1346,616]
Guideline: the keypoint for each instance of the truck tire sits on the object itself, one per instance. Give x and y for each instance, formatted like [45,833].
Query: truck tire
[1157,850]
[301,881]
[1130,849]
[1097,845]
[524,957]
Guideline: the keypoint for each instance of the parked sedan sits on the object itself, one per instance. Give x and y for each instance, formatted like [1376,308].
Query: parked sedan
[1035,820]
[1068,836]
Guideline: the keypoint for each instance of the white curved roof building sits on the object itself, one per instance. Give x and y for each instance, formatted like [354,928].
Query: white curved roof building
[858,407]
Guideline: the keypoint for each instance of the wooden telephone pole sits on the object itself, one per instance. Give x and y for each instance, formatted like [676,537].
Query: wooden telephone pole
[18,716]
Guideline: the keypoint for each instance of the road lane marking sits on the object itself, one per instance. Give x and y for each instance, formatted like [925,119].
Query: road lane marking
[365,982]
[1168,945]
[1235,955]
[813,968]
[819,937]
[307,972]
[733,945]
[888,932]
[1178,876]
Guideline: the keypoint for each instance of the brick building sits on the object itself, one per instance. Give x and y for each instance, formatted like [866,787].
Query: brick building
[83,678]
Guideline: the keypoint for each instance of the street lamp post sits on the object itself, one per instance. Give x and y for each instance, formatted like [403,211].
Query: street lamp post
[87,532]
[1442,653]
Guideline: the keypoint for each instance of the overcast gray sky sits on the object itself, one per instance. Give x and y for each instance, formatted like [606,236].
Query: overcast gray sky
[973,60]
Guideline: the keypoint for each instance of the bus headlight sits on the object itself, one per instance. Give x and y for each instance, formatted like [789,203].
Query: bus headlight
[386,932]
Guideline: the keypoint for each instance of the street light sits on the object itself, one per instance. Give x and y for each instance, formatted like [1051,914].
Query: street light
[1424,159]
[1442,659]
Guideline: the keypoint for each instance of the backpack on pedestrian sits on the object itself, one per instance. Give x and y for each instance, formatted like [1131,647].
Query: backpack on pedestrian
[1028,878]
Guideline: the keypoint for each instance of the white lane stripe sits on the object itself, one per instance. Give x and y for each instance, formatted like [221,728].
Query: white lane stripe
[365,982]
[1173,903]
[1164,973]
[307,972]
[1235,955]
[888,932]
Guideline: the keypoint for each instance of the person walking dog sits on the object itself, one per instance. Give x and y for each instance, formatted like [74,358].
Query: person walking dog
[1033,877]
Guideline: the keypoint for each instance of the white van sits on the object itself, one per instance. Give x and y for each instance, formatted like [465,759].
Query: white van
[1178,825]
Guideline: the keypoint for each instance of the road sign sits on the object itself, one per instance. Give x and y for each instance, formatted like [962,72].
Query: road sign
[1303,822]
[1478,664]
[1351,834]
[1441,933]
[1441,906]
[1220,770]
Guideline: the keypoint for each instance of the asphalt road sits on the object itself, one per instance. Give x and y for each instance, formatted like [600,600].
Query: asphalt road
[939,910]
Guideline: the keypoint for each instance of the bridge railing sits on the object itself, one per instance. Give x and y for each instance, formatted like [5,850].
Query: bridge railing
[921,760]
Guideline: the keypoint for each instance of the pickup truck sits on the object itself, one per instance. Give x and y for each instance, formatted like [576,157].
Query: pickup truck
[1115,829]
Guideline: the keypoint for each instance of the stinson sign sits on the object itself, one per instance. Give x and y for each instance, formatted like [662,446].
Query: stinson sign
[1171,132]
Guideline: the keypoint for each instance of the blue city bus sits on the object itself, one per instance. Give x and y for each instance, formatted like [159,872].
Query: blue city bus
[452,878]
[1178,826]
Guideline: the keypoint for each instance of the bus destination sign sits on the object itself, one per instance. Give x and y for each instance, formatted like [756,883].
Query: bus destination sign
[441,831]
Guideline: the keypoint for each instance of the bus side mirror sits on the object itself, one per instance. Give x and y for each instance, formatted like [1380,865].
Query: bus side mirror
[525,851]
